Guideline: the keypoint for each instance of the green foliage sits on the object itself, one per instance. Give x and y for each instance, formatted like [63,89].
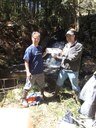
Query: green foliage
[39,10]
[27,16]
[49,11]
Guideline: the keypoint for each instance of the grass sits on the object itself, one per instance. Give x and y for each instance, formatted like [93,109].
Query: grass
[46,114]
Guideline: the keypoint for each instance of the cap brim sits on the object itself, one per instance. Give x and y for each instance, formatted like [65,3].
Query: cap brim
[70,33]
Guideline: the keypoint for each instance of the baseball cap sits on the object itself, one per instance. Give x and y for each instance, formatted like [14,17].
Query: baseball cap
[70,32]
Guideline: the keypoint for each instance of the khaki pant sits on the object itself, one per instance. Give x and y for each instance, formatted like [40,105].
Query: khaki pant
[39,79]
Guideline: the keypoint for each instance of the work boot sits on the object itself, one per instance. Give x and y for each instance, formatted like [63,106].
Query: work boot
[57,89]
[42,93]
[24,103]
[75,96]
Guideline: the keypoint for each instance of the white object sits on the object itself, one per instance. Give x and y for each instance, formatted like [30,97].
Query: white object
[14,118]
[53,50]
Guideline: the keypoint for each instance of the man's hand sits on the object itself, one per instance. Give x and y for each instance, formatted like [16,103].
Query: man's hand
[54,56]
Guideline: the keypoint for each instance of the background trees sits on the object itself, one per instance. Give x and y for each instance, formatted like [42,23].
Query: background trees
[45,10]
[18,18]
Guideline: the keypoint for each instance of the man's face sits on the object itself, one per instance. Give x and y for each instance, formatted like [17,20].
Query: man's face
[70,38]
[35,38]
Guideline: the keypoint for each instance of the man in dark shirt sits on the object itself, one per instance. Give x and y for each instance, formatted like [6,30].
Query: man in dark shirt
[34,67]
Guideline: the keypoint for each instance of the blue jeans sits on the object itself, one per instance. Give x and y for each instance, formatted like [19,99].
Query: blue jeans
[73,77]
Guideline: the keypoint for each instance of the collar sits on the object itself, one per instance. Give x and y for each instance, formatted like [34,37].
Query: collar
[71,45]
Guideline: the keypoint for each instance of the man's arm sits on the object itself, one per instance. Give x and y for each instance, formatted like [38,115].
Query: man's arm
[55,52]
[59,56]
[75,55]
[28,74]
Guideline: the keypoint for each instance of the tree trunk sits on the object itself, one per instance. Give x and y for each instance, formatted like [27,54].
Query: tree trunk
[33,9]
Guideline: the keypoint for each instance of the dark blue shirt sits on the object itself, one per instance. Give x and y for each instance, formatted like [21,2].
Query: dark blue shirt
[33,54]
